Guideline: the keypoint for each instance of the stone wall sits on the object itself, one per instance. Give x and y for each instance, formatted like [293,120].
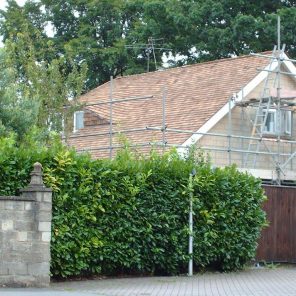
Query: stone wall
[25,233]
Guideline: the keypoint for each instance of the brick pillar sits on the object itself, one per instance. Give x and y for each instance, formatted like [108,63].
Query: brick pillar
[25,233]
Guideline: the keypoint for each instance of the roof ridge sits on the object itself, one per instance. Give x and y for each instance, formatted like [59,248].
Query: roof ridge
[190,65]
[176,69]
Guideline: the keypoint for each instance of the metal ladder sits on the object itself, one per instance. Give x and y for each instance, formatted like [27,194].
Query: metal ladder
[261,113]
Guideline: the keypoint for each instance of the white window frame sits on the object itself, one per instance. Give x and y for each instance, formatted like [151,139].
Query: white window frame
[75,127]
[266,129]
[286,123]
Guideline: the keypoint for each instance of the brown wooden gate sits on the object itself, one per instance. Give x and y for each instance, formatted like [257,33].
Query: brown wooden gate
[278,240]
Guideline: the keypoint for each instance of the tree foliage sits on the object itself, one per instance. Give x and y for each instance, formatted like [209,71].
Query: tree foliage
[33,87]
[16,114]
[97,32]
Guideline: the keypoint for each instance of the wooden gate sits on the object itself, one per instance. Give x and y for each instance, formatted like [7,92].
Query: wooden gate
[278,240]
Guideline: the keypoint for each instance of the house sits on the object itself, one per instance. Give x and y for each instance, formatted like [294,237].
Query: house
[215,105]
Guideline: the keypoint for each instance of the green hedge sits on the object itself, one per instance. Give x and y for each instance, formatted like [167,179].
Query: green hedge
[130,215]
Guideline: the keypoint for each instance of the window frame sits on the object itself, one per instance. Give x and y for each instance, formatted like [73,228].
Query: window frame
[75,127]
[286,127]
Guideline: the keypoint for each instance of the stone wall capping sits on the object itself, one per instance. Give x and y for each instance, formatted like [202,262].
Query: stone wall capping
[36,188]
[18,198]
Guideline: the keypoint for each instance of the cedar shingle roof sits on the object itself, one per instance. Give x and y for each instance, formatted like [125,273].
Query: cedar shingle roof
[194,94]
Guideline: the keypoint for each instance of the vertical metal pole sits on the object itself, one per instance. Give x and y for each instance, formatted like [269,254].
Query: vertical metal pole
[279,32]
[111,115]
[278,113]
[190,249]
[190,246]
[163,129]
[291,151]
[229,130]
[241,129]
[151,42]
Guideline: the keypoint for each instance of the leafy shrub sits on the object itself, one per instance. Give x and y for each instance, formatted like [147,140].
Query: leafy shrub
[130,215]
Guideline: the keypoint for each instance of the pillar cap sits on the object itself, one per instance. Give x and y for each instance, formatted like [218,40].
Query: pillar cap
[36,183]
[36,175]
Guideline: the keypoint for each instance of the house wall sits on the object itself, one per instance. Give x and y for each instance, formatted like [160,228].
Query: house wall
[25,234]
[240,125]
[95,138]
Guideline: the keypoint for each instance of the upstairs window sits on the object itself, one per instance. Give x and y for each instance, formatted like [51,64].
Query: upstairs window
[78,120]
[278,124]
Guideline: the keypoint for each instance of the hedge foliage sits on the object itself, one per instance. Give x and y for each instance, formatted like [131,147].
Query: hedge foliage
[130,215]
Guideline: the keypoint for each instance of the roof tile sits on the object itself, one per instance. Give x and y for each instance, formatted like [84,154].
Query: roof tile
[194,94]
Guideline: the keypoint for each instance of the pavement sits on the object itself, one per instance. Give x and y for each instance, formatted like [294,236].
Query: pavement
[279,281]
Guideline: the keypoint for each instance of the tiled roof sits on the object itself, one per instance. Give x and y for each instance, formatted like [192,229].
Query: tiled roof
[194,94]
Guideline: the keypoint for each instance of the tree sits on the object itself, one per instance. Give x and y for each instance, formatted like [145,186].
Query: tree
[96,32]
[227,27]
[17,114]
[92,31]
[29,19]
[33,91]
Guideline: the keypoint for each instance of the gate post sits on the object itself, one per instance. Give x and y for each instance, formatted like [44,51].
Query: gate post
[25,234]
[39,266]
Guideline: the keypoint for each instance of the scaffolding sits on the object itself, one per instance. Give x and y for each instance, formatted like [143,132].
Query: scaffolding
[246,151]
[163,143]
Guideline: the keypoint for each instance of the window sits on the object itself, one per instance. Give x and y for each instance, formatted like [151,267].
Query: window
[275,124]
[270,124]
[78,120]
[287,120]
